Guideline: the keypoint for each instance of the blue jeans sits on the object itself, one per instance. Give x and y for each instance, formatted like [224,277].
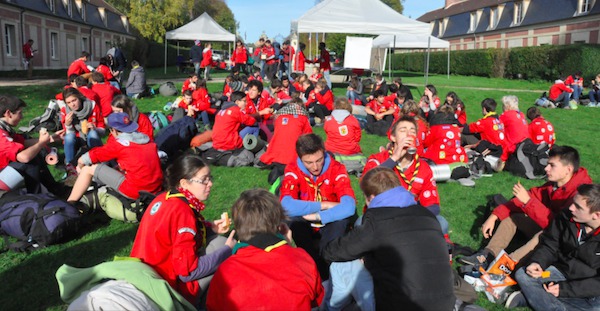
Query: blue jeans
[594,96]
[539,299]
[92,140]
[327,78]
[115,84]
[443,223]
[353,95]
[563,100]
[203,115]
[577,90]
[197,69]
[349,280]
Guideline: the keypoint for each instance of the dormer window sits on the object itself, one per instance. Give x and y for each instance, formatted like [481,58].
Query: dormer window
[51,5]
[68,7]
[473,22]
[519,13]
[102,12]
[584,6]
[81,8]
[494,17]
[442,27]
[125,22]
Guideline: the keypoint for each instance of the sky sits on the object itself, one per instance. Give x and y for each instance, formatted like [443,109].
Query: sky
[274,16]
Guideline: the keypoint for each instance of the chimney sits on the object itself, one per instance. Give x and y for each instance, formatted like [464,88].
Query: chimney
[450,3]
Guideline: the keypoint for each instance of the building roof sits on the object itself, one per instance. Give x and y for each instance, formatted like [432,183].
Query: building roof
[92,14]
[459,15]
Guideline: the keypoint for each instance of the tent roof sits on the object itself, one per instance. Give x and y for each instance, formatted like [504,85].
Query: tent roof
[202,28]
[359,17]
[404,41]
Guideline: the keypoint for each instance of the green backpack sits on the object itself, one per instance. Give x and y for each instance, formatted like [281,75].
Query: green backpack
[116,206]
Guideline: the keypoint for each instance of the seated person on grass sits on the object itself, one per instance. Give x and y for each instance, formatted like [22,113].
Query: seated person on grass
[291,121]
[460,112]
[23,154]
[594,94]
[493,140]
[560,94]
[380,84]
[540,130]
[264,257]
[530,211]
[316,192]
[380,114]
[401,245]
[122,103]
[202,102]
[412,109]
[320,101]
[105,91]
[568,254]
[84,125]
[190,83]
[412,171]
[226,137]
[137,157]
[343,136]
[258,107]
[515,124]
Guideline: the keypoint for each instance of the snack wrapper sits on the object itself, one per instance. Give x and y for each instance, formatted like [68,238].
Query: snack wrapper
[497,278]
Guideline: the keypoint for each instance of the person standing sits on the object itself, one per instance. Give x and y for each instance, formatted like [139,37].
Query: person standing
[240,57]
[324,61]
[28,55]
[288,52]
[196,56]
[207,60]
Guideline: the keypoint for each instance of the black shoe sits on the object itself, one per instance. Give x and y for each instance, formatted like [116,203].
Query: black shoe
[480,258]
[516,300]
[543,95]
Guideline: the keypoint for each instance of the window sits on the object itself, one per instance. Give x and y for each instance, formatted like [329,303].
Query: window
[54,45]
[442,28]
[584,6]
[494,17]
[51,5]
[82,11]
[69,8]
[10,40]
[84,44]
[473,23]
[518,13]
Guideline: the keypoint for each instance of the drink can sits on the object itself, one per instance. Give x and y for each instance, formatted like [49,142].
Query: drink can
[412,148]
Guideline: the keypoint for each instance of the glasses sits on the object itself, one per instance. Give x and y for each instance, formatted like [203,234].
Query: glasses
[203,181]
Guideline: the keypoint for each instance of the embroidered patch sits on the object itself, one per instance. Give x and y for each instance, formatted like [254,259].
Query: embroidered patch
[442,155]
[155,208]
[285,121]
[450,135]
[427,194]
[550,128]
[543,130]
[228,112]
[343,130]
[501,135]
[419,180]
[186,229]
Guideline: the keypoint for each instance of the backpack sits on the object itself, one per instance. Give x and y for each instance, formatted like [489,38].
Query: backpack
[158,119]
[49,119]
[529,160]
[167,89]
[36,220]
[116,206]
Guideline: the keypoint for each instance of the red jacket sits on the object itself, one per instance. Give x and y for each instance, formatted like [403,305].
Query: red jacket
[461,115]
[324,60]
[206,58]
[168,240]
[10,146]
[515,128]
[423,186]
[240,55]
[574,81]
[252,108]
[138,162]
[491,130]
[331,185]
[106,72]
[541,130]
[106,92]
[202,101]
[443,144]
[255,77]
[292,284]
[85,91]
[282,147]
[558,88]
[299,62]
[325,99]
[380,108]
[77,67]
[343,137]
[545,202]
[226,134]
[269,52]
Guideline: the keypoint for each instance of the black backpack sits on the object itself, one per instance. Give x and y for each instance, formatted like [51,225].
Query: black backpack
[36,220]
[49,120]
[529,160]
[167,89]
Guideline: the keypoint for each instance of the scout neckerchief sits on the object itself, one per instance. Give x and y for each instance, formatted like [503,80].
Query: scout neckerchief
[5,126]
[264,241]
[489,114]
[196,207]
[400,170]
[311,184]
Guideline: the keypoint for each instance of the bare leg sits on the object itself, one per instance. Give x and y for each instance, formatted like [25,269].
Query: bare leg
[84,180]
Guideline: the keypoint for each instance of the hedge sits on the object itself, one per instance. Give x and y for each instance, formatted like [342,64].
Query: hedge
[540,62]
[152,54]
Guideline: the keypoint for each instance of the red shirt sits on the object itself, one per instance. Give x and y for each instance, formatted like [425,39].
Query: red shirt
[27,52]
[515,128]
[300,61]
[10,146]
[324,60]
[255,77]
[423,185]
[380,107]
[226,134]
[541,131]
[571,80]
[252,108]
[106,72]
[168,239]
[95,117]
[282,147]
[315,77]
[331,185]
[77,67]
[325,99]
[443,144]
[186,86]
[138,162]
[558,88]
[461,115]
[343,137]
[545,201]
[270,54]
[106,92]
[293,283]
[492,130]
[206,58]
[202,101]
[240,55]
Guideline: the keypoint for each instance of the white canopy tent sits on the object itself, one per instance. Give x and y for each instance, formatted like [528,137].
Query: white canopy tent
[202,28]
[360,17]
[385,42]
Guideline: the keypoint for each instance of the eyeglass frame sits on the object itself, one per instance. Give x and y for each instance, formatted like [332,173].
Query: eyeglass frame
[205,181]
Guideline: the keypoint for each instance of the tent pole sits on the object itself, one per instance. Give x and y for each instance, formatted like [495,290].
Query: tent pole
[392,54]
[165,54]
[448,71]
[177,47]
[427,64]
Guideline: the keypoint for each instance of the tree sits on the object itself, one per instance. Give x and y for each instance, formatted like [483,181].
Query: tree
[395,4]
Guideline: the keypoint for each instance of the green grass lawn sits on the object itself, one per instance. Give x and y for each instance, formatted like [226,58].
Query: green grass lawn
[28,279]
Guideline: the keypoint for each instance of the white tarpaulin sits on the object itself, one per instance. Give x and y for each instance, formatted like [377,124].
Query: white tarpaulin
[404,41]
[360,17]
[358,52]
[202,28]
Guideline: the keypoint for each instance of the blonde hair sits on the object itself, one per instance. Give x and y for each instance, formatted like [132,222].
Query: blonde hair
[510,102]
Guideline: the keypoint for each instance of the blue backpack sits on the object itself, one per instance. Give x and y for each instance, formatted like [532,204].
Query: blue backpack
[36,220]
